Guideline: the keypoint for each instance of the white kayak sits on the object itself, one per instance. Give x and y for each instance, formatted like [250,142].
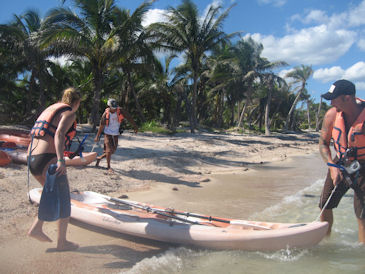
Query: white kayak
[87,158]
[167,225]
[19,156]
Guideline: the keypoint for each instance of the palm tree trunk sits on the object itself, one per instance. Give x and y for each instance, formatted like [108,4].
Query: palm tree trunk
[138,106]
[308,115]
[267,110]
[247,104]
[194,106]
[98,82]
[288,118]
[317,116]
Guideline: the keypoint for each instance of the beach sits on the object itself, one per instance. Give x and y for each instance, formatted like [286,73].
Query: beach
[148,168]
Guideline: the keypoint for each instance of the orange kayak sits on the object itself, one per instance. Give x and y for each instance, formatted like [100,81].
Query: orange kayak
[4,158]
[19,137]
[178,227]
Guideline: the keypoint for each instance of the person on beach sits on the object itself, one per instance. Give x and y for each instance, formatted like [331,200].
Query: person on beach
[53,129]
[344,124]
[110,123]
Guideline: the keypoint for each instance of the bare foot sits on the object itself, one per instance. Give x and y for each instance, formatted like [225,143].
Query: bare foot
[110,170]
[39,236]
[67,246]
[97,162]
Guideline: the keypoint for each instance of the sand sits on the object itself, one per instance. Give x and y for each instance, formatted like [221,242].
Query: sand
[146,163]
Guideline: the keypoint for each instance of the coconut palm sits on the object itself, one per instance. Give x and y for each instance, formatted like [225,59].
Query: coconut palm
[92,35]
[250,65]
[300,74]
[135,54]
[20,38]
[185,32]
[271,80]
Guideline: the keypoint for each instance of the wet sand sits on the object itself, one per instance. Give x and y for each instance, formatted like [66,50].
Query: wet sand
[187,172]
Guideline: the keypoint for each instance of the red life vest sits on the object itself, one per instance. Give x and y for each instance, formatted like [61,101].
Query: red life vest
[355,138]
[44,125]
[119,114]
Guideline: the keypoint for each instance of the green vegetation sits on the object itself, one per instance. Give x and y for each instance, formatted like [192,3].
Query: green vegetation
[223,82]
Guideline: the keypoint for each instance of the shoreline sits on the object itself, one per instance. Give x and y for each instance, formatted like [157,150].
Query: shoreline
[143,163]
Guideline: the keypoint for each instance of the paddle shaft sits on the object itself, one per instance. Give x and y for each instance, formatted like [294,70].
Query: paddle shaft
[169,213]
[149,209]
[325,205]
[78,148]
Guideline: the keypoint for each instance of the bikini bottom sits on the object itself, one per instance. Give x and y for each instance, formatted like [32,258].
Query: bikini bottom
[38,162]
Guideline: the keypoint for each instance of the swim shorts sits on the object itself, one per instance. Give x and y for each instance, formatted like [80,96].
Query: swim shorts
[110,143]
[342,188]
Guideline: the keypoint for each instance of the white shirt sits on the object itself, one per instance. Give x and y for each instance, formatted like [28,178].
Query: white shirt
[113,127]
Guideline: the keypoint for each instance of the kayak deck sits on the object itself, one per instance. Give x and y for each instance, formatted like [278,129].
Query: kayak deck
[163,224]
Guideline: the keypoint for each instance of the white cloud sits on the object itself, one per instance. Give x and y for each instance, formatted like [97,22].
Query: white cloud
[356,17]
[276,3]
[355,73]
[361,44]
[360,86]
[153,16]
[325,39]
[328,74]
[62,60]
[311,46]
[313,16]
[283,72]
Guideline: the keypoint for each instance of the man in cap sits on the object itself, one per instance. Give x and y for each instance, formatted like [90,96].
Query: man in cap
[110,123]
[344,124]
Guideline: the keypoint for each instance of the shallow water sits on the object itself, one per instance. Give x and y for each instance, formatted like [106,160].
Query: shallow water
[279,192]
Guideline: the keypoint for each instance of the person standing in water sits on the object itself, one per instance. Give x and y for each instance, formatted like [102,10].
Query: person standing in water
[110,123]
[344,124]
[53,130]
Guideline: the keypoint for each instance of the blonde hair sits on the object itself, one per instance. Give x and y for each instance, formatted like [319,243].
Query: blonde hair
[70,96]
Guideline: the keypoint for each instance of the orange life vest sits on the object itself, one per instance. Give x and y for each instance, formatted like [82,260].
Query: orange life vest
[119,114]
[355,138]
[44,125]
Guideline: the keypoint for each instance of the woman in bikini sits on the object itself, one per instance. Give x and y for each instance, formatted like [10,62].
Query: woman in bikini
[52,129]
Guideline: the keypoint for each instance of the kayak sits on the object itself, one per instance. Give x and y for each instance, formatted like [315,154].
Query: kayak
[4,158]
[178,227]
[19,137]
[19,156]
[87,158]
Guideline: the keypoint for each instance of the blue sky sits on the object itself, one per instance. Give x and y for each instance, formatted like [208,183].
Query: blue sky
[329,35]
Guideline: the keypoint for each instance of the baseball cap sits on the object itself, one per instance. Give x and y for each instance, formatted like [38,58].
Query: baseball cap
[112,103]
[340,87]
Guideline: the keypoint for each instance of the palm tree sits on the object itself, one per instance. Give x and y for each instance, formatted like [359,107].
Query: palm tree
[318,114]
[185,32]
[251,66]
[135,54]
[224,80]
[300,75]
[20,37]
[270,81]
[92,35]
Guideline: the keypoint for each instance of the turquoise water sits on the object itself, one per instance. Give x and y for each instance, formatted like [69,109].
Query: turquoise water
[338,254]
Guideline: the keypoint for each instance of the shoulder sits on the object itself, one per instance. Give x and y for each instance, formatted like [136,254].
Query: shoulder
[331,114]
[69,115]
[123,111]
